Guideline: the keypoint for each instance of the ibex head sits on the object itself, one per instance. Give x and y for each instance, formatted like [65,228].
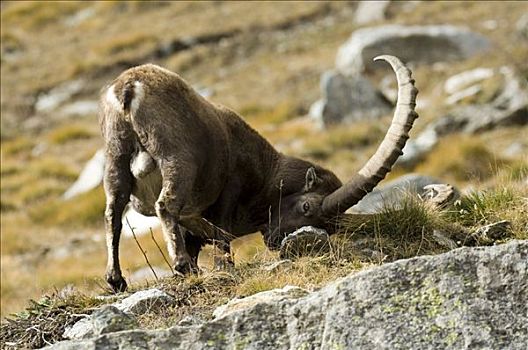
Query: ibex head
[323,196]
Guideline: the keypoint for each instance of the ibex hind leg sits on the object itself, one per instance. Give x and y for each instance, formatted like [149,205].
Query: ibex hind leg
[176,190]
[193,244]
[118,186]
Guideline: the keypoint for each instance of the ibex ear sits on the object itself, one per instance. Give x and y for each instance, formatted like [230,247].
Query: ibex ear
[311,179]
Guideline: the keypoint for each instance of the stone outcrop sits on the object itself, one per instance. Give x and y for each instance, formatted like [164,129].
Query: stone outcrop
[348,99]
[420,44]
[466,298]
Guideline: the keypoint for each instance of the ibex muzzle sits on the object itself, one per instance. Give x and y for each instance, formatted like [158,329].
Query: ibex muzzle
[209,176]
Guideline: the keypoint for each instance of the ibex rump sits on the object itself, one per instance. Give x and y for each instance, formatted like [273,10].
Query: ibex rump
[176,155]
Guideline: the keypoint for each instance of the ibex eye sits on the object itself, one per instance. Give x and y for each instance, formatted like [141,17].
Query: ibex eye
[306,207]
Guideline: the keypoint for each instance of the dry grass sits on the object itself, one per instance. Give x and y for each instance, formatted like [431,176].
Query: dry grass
[71,132]
[85,210]
[463,159]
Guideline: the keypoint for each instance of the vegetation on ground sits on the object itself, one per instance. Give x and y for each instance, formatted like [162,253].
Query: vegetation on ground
[266,64]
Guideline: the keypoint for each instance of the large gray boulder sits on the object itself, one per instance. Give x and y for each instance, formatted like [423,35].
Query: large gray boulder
[348,99]
[392,193]
[422,44]
[467,298]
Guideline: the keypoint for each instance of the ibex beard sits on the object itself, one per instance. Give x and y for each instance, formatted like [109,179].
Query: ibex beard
[207,175]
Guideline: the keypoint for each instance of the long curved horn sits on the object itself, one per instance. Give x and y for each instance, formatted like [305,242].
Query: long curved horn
[389,150]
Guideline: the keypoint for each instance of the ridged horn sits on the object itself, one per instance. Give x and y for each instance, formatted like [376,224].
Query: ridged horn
[388,151]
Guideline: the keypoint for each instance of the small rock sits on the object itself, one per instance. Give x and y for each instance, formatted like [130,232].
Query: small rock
[307,240]
[441,238]
[79,17]
[463,94]
[514,95]
[415,149]
[439,196]
[273,296]
[522,26]
[80,108]
[144,301]
[39,149]
[490,233]
[281,265]
[91,176]
[515,149]
[460,81]
[370,11]
[191,320]
[82,329]
[421,44]
[109,319]
[49,101]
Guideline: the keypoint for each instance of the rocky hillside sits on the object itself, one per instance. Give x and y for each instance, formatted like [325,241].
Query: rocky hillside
[467,298]
[301,73]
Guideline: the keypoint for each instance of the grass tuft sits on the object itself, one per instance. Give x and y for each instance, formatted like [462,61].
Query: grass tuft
[486,207]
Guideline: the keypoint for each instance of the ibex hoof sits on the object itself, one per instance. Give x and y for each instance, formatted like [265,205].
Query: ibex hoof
[185,266]
[118,284]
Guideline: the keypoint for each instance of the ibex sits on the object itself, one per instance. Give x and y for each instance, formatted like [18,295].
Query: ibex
[174,154]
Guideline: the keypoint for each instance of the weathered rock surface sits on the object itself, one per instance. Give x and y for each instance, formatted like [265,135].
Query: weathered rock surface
[110,319]
[119,315]
[393,192]
[144,300]
[421,44]
[348,99]
[107,319]
[466,298]
[271,296]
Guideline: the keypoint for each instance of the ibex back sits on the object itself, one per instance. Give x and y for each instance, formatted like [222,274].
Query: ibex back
[204,172]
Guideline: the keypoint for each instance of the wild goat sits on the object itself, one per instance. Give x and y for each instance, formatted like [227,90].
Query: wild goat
[197,165]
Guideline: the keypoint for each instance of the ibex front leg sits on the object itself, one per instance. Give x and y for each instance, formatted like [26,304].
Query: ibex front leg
[118,186]
[177,186]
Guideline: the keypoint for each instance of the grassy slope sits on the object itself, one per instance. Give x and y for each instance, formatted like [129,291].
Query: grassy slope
[268,68]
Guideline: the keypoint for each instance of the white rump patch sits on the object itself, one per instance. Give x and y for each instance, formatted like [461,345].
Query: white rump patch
[111,98]
[139,93]
[142,165]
